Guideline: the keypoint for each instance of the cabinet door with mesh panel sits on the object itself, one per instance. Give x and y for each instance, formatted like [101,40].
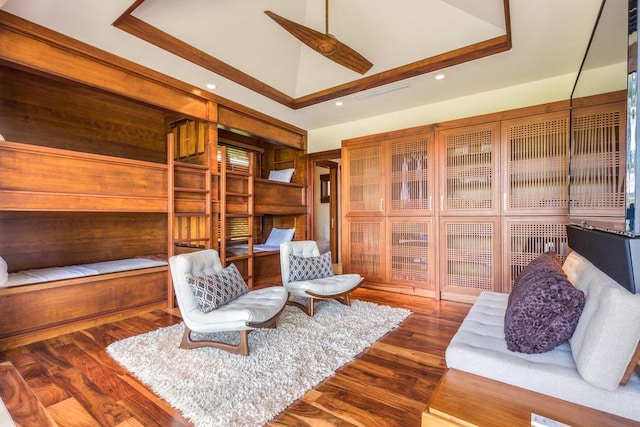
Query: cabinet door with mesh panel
[469,257]
[411,170]
[364,248]
[363,183]
[526,238]
[597,168]
[411,258]
[536,162]
[469,184]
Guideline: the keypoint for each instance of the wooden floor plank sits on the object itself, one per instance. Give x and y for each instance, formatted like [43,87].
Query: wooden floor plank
[71,413]
[23,405]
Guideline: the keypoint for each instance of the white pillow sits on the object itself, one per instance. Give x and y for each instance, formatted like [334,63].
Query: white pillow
[4,276]
[283,175]
[280,235]
[608,331]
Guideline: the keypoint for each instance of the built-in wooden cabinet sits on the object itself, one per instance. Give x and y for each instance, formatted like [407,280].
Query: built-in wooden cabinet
[365,237]
[598,162]
[410,186]
[470,256]
[536,164]
[470,157]
[411,252]
[525,237]
[465,208]
[388,198]
[364,173]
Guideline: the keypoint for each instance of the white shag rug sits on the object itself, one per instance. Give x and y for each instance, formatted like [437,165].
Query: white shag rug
[212,387]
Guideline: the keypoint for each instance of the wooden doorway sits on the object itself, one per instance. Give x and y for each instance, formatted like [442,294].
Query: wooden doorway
[325,189]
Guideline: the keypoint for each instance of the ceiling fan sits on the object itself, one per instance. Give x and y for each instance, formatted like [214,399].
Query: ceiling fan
[325,44]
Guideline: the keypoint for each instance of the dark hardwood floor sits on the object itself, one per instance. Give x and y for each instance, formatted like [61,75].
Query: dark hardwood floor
[70,380]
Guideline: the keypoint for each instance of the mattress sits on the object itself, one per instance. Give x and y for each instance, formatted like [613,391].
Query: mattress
[42,275]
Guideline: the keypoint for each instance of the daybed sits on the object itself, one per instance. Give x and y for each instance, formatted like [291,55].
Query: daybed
[587,369]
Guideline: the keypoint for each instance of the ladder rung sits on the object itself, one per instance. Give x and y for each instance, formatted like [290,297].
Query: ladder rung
[190,214]
[186,165]
[189,190]
[245,174]
[238,215]
[236,257]
[201,239]
[240,237]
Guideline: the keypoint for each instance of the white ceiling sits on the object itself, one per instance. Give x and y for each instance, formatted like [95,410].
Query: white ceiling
[549,38]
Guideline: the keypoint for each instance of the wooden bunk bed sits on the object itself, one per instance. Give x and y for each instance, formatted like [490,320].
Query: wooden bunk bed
[66,208]
[85,179]
[276,204]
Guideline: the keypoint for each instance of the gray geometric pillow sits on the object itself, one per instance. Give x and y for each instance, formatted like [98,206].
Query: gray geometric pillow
[309,268]
[214,290]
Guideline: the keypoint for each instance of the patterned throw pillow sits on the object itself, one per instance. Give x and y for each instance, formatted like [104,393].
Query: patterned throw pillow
[217,289]
[543,308]
[308,268]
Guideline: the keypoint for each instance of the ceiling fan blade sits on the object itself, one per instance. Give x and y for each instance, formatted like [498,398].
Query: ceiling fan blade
[324,44]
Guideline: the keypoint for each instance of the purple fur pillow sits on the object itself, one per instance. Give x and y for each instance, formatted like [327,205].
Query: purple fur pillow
[543,308]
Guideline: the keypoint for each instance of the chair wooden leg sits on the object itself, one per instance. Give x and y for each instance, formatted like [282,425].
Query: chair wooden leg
[345,300]
[310,307]
[306,308]
[241,348]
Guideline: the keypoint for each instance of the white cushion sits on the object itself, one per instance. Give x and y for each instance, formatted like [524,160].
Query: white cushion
[608,331]
[279,236]
[283,175]
[4,275]
[328,286]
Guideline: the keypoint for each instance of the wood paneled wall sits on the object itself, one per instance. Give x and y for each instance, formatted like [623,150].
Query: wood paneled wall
[62,114]
[52,239]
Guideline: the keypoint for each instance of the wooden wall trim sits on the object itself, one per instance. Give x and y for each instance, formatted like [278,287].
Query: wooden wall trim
[33,46]
[516,113]
[234,119]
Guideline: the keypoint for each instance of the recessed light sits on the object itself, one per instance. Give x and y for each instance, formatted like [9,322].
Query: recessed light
[339,103]
[211,86]
[439,76]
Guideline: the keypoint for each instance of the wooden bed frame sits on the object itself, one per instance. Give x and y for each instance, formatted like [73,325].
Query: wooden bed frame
[61,207]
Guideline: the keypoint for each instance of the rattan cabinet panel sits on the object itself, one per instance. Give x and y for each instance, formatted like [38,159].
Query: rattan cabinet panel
[598,154]
[470,257]
[536,165]
[469,183]
[364,175]
[411,252]
[410,188]
[365,248]
[525,238]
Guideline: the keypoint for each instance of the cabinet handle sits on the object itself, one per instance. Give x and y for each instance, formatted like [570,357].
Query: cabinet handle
[430,203]
[381,205]
[504,201]
[441,203]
